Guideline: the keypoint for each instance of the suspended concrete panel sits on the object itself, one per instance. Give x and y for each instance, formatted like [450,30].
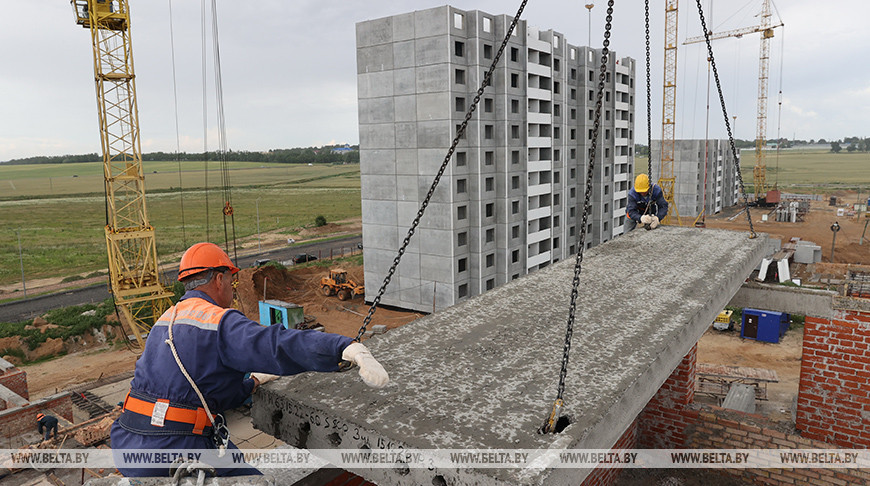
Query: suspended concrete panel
[483,373]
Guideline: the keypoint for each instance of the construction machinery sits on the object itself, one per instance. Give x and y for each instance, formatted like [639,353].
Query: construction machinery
[133,273]
[765,28]
[337,283]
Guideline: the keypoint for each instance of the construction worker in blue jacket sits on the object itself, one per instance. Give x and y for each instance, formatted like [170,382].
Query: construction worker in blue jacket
[646,205]
[195,360]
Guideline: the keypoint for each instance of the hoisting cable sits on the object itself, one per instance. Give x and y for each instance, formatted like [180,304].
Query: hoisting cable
[204,55]
[460,133]
[177,130]
[779,112]
[752,233]
[550,424]
[222,137]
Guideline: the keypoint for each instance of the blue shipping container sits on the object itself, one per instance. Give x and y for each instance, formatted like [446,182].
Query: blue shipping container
[761,325]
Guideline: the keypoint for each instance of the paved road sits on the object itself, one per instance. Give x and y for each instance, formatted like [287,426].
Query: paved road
[30,308]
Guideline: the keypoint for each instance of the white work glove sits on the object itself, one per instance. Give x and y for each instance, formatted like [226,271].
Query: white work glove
[371,372]
[654,222]
[263,378]
[646,219]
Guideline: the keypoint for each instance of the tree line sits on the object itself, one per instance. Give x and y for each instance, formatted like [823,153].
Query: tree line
[307,155]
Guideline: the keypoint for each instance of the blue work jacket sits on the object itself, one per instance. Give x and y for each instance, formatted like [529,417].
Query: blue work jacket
[637,204]
[217,347]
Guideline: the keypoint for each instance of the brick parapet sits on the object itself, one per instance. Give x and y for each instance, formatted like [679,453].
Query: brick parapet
[834,393]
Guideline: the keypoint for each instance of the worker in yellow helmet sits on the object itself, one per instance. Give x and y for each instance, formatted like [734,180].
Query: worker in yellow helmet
[646,204]
[195,360]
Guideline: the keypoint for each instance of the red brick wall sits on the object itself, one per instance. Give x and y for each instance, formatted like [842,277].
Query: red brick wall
[15,379]
[15,421]
[607,476]
[662,424]
[834,395]
[717,428]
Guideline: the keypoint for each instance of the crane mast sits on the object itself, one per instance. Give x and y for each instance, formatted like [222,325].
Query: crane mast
[133,270]
[667,180]
[760,170]
[765,28]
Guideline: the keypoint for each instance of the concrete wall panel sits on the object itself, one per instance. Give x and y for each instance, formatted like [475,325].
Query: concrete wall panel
[373,32]
[434,78]
[405,82]
[375,84]
[403,27]
[382,136]
[406,108]
[431,22]
[434,134]
[374,59]
[404,54]
[377,161]
[376,110]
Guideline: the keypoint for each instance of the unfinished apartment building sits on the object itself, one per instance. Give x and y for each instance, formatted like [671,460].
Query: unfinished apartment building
[706,176]
[510,201]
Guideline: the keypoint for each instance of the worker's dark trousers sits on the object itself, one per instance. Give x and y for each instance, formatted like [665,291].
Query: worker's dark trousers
[48,429]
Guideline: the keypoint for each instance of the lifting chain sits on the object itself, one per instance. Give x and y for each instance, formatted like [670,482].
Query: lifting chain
[648,101]
[725,114]
[550,425]
[460,132]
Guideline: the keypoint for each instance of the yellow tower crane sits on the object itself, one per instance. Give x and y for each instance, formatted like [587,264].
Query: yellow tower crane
[765,28]
[133,271]
[667,178]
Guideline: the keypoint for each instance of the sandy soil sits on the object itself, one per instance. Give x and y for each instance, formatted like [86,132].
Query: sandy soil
[816,228]
[53,376]
[717,347]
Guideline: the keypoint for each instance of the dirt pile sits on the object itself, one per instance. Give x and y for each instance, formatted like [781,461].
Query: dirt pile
[301,286]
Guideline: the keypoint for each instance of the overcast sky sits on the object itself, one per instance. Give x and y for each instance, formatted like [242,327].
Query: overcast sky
[289,69]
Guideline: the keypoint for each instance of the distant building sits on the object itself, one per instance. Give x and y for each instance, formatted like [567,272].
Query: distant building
[343,150]
[511,199]
[701,179]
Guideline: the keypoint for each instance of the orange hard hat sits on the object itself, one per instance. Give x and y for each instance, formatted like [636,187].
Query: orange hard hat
[201,257]
[39,416]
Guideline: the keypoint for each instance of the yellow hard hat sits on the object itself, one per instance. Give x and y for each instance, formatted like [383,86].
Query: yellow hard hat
[641,183]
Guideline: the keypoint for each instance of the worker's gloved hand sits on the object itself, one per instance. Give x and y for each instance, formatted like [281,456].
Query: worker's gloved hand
[646,219]
[372,373]
[263,378]
[654,222]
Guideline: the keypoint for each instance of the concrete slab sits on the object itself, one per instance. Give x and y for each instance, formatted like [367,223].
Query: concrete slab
[483,374]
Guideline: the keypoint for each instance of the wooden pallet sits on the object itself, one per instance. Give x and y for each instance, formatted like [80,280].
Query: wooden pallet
[716,380]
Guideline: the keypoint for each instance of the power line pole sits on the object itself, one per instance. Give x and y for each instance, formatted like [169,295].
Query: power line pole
[589,8]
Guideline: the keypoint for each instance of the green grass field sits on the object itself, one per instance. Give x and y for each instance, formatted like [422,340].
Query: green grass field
[63,235]
[53,180]
[809,171]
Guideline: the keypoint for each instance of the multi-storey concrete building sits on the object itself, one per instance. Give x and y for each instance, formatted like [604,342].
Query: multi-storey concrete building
[510,201]
[702,181]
